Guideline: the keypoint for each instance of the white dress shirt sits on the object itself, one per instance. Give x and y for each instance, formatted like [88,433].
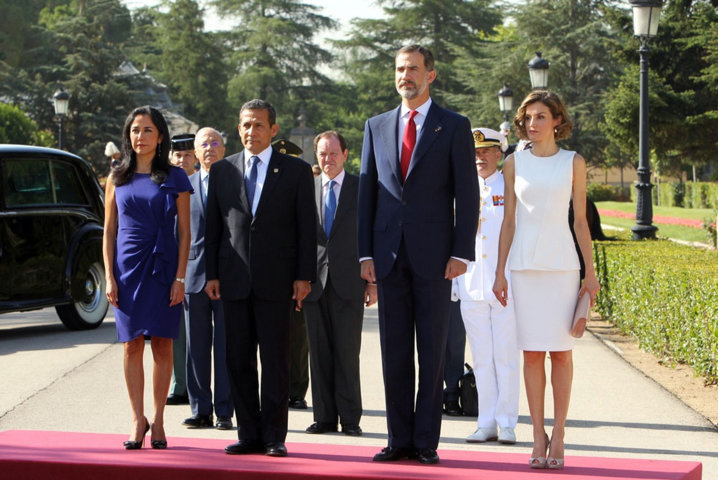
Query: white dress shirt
[421,112]
[262,167]
[339,179]
[204,180]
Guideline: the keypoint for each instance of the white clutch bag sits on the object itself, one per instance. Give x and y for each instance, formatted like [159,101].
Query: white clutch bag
[580,315]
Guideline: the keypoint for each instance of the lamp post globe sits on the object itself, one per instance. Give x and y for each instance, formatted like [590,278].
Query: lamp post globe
[506,97]
[645,25]
[538,71]
[61,101]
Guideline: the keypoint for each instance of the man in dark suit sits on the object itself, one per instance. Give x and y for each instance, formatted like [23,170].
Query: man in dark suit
[335,307]
[261,250]
[418,213]
[204,317]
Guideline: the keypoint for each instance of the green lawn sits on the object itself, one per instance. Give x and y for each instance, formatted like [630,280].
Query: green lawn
[678,232]
[677,212]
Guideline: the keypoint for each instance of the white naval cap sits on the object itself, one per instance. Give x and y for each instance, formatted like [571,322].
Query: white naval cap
[487,137]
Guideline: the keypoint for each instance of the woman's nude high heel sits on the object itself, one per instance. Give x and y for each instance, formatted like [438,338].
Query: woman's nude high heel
[540,462]
[554,463]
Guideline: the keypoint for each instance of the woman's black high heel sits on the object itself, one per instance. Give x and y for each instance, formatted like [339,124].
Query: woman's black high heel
[158,444]
[132,445]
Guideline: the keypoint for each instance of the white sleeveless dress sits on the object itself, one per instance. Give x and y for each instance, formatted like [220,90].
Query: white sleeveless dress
[543,260]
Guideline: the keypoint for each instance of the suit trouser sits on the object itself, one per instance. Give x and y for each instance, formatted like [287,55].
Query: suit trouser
[491,329]
[179,362]
[250,323]
[455,347]
[204,320]
[299,354]
[409,304]
[334,328]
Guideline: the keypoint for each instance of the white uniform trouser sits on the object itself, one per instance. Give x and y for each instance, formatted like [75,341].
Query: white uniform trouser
[491,331]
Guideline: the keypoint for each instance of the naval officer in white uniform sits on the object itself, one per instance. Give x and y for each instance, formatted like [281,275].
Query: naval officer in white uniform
[490,327]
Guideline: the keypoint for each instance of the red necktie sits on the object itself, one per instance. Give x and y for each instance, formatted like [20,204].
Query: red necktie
[408,143]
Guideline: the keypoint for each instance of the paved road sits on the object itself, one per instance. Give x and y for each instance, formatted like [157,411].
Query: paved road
[54,379]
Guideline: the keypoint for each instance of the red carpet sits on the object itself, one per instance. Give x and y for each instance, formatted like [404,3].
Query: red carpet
[31,455]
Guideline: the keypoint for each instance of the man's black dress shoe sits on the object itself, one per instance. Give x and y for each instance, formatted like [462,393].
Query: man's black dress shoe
[452,408]
[244,447]
[390,454]
[223,423]
[321,427]
[428,456]
[276,449]
[351,429]
[298,403]
[198,421]
[173,399]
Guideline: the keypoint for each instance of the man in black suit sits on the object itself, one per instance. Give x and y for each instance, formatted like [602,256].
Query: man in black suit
[204,317]
[418,213]
[335,307]
[261,254]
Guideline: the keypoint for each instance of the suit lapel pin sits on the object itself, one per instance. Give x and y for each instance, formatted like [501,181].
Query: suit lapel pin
[437,129]
[276,170]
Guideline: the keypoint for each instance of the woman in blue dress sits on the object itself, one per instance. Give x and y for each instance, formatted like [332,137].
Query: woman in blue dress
[144,262]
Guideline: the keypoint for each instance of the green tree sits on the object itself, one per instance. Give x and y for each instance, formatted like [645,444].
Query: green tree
[174,47]
[18,128]
[90,35]
[683,103]
[574,37]
[275,53]
[76,44]
[621,112]
[451,30]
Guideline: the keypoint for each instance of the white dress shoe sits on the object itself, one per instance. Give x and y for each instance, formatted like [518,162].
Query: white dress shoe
[482,435]
[507,436]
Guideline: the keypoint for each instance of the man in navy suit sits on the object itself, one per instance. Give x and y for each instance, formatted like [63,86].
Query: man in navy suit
[261,253]
[418,214]
[204,317]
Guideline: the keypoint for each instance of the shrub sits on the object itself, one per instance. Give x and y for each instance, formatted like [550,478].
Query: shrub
[698,195]
[678,194]
[664,294]
[688,194]
[600,192]
[709,225]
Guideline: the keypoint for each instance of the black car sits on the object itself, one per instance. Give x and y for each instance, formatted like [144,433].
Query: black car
[51,222]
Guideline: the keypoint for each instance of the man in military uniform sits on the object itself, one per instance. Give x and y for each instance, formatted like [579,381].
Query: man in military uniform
[182,155]
[298,341]
[490,327]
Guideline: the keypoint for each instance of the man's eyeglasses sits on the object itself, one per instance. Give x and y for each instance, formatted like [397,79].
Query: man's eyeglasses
[214,144]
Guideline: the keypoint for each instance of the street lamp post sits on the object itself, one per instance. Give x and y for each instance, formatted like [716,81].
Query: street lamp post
[645,26]
[61,100]
[538,70]
[506,98]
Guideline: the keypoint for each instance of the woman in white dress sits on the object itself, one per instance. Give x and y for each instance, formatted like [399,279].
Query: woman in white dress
[536,242]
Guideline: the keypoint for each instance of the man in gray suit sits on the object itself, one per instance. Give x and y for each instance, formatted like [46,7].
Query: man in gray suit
[334,308]
[204,317]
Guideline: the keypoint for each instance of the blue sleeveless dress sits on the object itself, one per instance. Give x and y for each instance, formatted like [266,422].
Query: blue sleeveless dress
[146,255]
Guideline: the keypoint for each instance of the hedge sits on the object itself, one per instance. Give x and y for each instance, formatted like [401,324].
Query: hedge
[600,192]
[666,296]
[684,194]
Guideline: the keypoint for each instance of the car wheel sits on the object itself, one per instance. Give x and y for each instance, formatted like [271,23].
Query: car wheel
[90,311]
